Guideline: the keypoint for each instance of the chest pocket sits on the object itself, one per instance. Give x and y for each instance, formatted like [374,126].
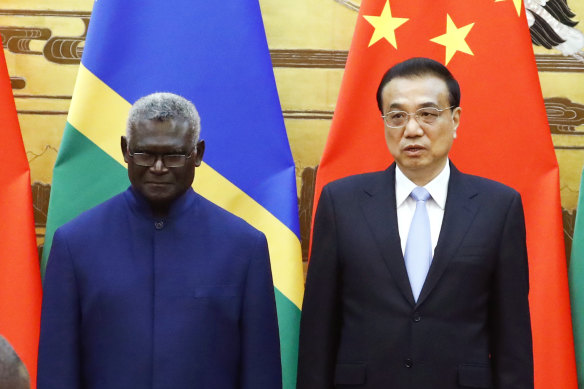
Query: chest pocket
[473,255]
[218,304]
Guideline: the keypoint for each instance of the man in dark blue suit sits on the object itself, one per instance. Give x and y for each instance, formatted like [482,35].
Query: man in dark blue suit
[157,287]
[418,276]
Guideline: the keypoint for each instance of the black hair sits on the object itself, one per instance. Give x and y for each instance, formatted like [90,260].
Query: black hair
[419,67]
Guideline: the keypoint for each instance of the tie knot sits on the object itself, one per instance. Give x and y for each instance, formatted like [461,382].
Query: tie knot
[420,194]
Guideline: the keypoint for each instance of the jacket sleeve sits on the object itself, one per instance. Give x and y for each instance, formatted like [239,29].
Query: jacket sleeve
[510,325]
[260,342]
[59,347]
[321,310]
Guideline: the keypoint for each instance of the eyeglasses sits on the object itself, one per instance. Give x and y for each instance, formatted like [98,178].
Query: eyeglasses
[426,115]
[169,160]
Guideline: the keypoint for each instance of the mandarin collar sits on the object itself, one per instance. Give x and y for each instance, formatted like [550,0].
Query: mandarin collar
[140,205]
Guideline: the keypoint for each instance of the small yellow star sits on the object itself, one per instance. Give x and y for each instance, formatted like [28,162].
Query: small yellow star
[454,39]
[517,4]
[385,25]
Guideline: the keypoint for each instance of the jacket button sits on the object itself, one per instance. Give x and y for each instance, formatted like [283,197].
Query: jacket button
[159,225]
[408,363]
[416,317]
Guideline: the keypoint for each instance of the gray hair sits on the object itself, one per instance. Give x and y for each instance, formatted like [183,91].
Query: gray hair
[164,106]
[13,373]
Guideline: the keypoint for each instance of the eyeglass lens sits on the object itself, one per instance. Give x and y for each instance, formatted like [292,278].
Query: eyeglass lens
[169,160]
[426,115]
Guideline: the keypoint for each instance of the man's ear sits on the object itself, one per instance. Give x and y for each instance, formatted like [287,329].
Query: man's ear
[456,119]
[199,153]
[124,144]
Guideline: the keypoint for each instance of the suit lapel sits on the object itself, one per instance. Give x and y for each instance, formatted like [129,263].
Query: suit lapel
[378,205]
[459,213]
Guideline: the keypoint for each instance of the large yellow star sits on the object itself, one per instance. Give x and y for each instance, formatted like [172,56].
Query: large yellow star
[517,4]
[454,39]
[385,25]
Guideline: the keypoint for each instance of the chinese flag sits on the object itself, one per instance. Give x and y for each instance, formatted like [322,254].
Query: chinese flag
[503,134]
[20,280]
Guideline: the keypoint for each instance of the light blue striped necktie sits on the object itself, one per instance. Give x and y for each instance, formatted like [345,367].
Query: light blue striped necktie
[418,254]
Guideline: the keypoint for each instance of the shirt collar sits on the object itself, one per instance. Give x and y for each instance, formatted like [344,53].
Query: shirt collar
[438,187]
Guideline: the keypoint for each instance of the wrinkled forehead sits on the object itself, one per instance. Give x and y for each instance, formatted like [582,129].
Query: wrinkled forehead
[168,126]
[415,91]
[175,132]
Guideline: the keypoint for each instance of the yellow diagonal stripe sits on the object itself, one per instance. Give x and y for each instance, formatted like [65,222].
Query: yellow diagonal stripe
[100,114]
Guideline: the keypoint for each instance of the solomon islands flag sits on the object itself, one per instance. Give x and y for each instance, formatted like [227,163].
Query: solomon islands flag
[214,54]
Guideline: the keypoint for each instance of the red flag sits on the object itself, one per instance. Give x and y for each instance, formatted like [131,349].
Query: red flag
[20,280]
[503,133]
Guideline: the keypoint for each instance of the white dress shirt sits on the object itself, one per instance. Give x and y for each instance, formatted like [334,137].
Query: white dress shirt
[438,189]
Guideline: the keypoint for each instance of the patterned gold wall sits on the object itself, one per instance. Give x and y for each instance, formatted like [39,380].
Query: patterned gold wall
[308,41]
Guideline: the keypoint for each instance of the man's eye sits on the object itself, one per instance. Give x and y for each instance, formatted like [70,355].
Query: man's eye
[428,113]
[397,115]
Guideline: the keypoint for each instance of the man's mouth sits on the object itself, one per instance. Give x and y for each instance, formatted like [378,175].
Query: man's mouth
[413,149]
[157,183]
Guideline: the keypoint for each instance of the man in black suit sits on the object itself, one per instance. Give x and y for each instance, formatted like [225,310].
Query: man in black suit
[455,314]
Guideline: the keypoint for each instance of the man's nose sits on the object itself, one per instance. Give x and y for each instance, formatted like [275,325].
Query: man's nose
[412,127]
[158,166]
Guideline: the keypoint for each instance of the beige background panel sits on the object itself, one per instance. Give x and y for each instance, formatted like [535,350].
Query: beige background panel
[54,105]
[570,85]
[58,25]
[570,154]
[571,162]
[308,89]
[72,5]
[39,133]
[307,140]
[315,24]
[569,148]
[42,77]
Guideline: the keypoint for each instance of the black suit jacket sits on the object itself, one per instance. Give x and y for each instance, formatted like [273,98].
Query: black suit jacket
[470,328]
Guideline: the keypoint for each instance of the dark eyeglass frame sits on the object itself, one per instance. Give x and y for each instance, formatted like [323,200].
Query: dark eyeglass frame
[422,120]
[168,160]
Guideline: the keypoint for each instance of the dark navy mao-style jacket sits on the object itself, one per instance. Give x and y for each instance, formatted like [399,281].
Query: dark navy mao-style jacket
[136,302]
